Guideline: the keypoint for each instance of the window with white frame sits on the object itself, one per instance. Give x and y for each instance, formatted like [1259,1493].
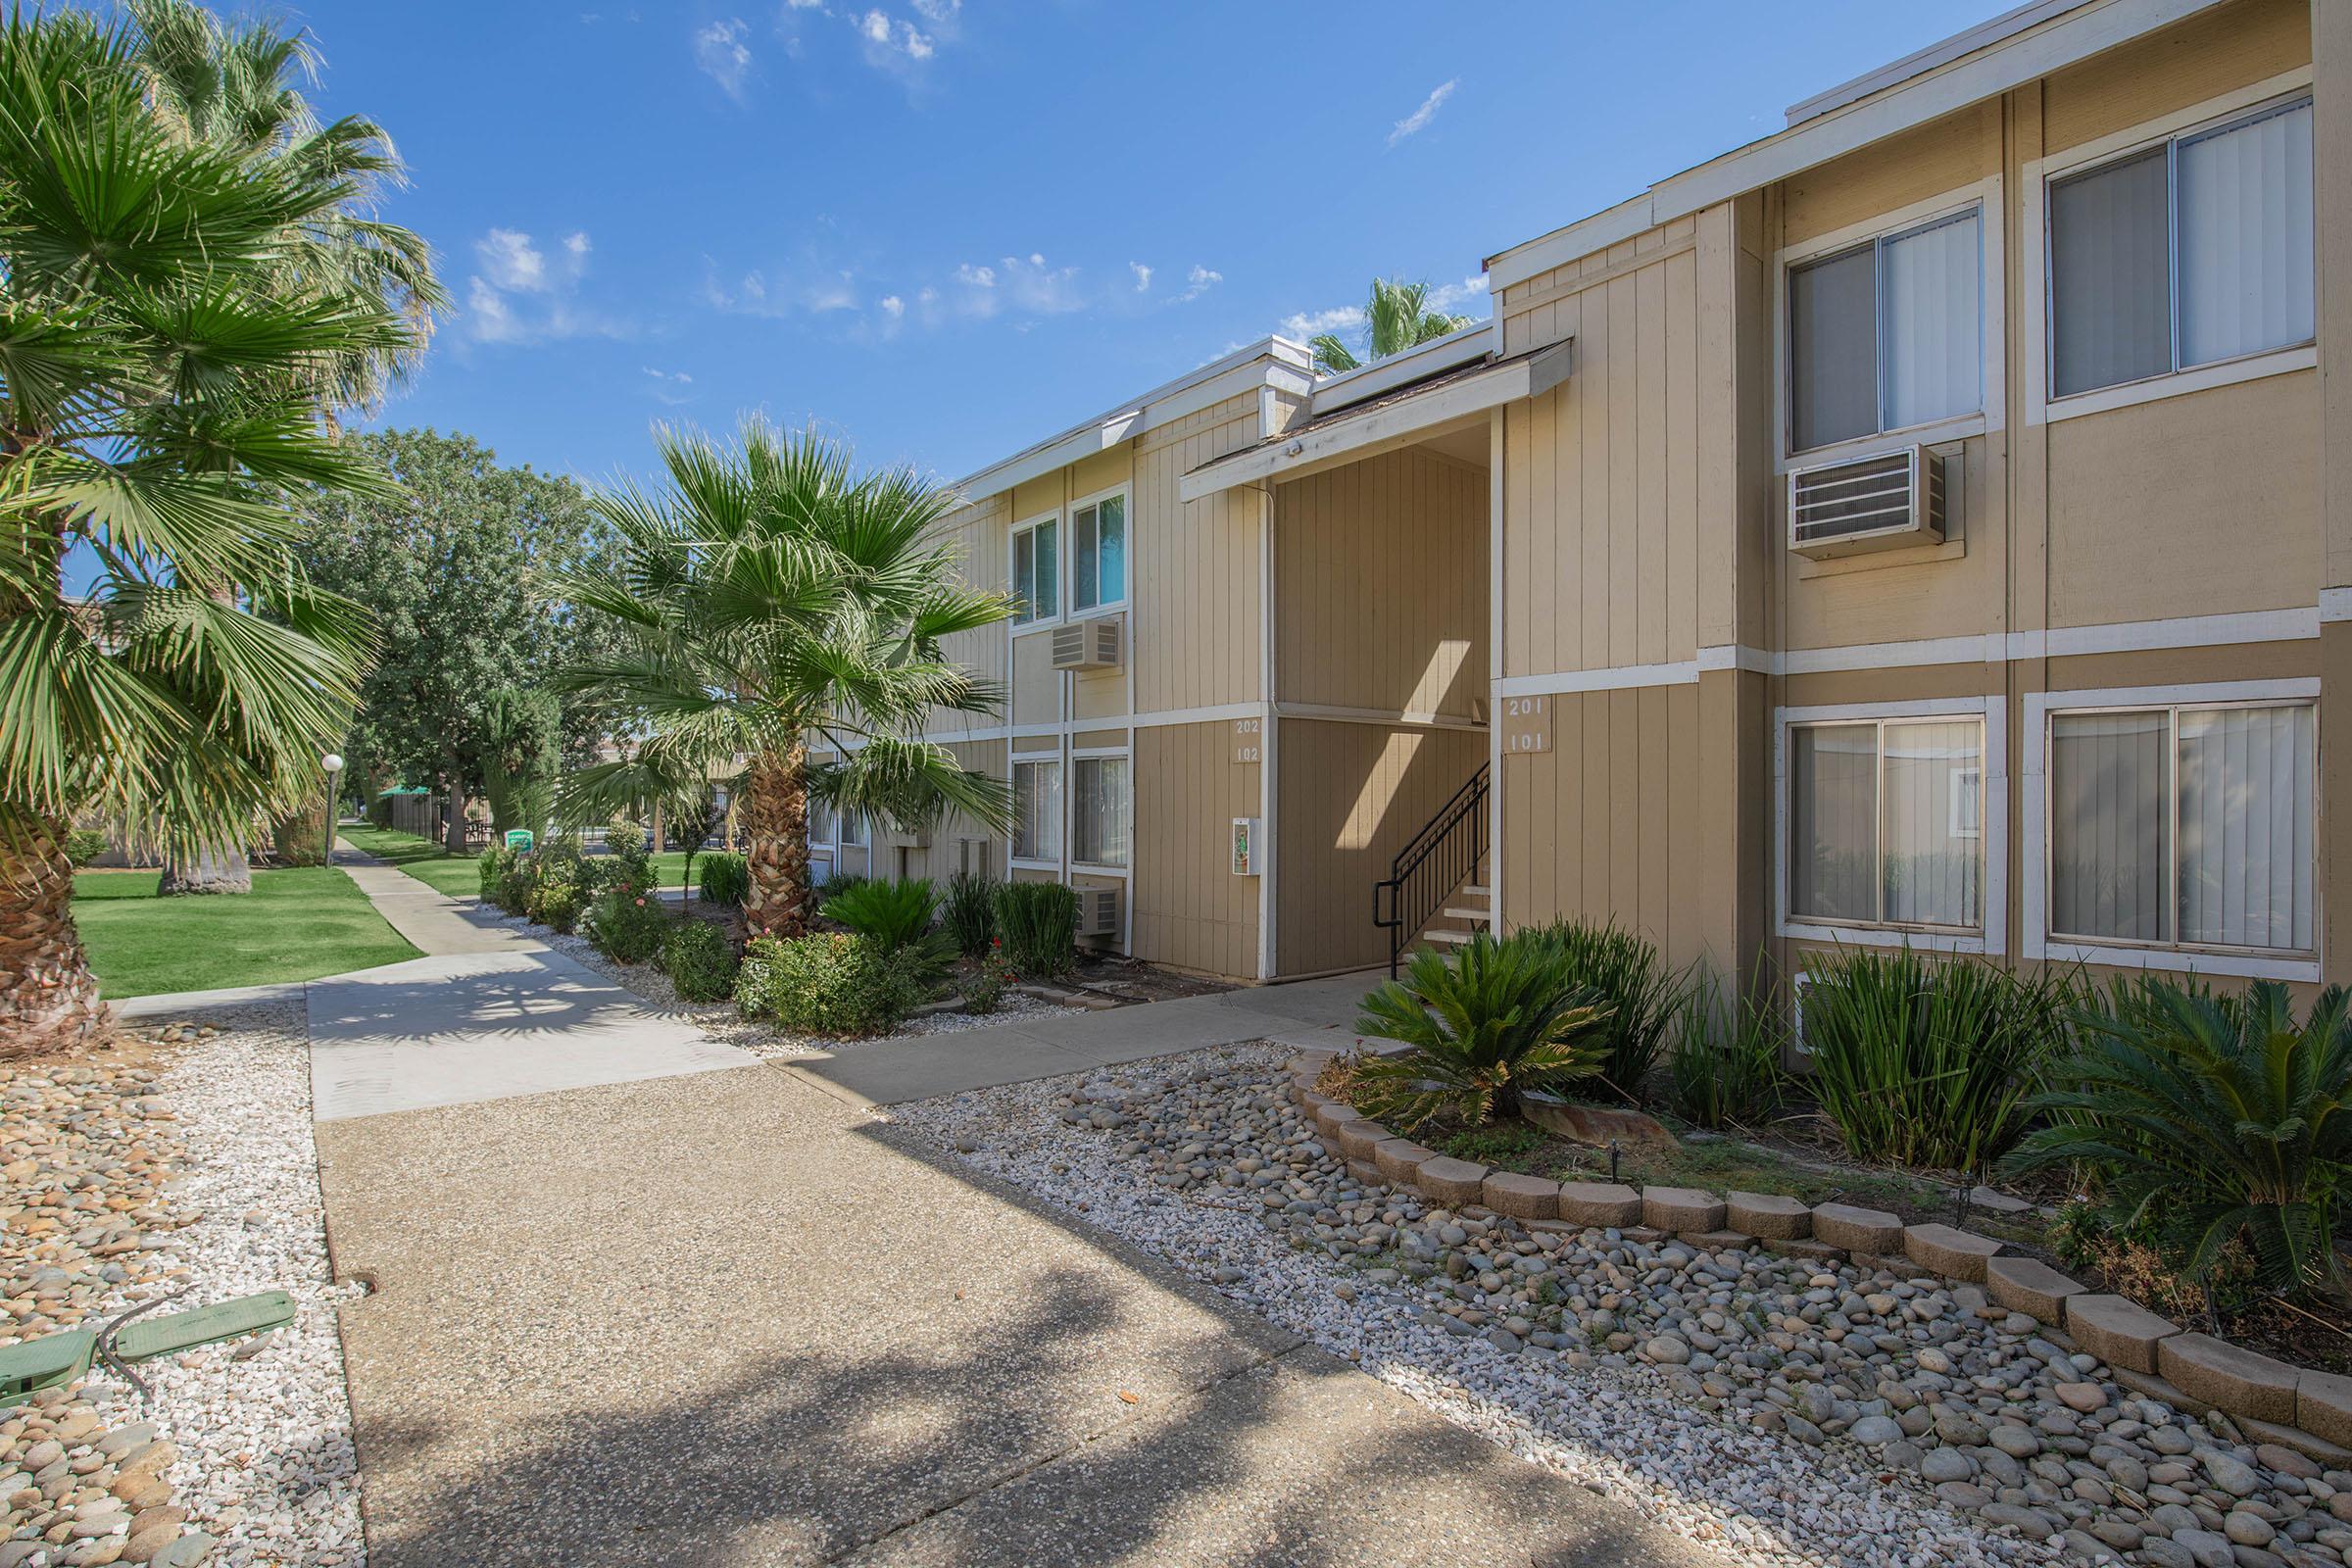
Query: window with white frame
[2185,825]
[1037,810]
[1876,837]
[820,822]
[1037,571]
[1102,810]
[1887,335]
[2188,253]
[1098,553]
[855,829]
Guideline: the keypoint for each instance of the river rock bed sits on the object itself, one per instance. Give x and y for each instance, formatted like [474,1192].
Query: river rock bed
[1783,1409]
[242,1456]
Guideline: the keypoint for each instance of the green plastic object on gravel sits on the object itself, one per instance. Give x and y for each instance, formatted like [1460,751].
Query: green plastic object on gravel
[149,1338]
[37,1364]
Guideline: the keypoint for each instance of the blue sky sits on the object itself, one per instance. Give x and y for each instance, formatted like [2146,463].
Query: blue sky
[948,229]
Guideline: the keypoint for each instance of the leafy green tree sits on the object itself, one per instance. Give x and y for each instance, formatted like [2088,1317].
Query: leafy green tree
[159,395]
[519,754]
[1396,317]
[770,593]
[460,565]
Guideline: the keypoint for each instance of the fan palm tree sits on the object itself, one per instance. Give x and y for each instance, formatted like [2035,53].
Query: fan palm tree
[157,405]
[772,593]
[233,88]
[1396,317]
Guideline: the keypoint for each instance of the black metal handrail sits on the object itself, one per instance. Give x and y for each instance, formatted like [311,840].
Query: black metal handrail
[1436,860]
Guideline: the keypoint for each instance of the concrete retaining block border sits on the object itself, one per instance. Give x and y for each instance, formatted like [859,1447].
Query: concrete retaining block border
[2257,1391]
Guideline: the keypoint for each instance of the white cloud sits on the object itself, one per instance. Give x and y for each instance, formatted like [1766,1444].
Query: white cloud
[976,276]
[1469,291]
[520,296]
[939,11]
[894,42]
[1198,281]
[511,259]
[1143,275]
[724,56]
[892,305]
[670,386]
[1305,325]
[1421,117]
[803,5]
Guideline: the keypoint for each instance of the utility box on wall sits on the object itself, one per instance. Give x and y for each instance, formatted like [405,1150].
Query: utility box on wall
[1244,846]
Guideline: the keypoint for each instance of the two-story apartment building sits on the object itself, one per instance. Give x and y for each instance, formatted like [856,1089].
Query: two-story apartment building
[1929,524]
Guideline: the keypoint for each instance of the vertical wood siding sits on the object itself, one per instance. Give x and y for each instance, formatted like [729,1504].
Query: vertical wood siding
[1188,906]
[1350,796]
[1196,565]
[1380,586]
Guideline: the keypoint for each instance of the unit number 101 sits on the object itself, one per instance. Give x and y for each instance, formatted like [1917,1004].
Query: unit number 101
[1526,726]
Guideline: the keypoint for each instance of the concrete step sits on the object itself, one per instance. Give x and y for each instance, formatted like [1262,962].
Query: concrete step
[1474,890]
[1446,936]
[1480,916]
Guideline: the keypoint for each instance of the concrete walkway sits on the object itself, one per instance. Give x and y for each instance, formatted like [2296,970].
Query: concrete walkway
[1312,1012]
[719,1316]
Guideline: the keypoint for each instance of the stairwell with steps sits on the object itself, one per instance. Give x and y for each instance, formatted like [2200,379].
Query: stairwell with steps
[1438,890]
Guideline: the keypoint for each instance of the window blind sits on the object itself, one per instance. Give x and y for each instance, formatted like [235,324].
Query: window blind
[1931,328]
[2245,237]
[2111,305]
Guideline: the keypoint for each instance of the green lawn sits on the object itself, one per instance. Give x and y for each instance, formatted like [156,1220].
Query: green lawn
[296,925]
[459,877]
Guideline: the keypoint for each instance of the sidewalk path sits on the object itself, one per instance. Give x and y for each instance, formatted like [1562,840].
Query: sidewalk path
[720,1317]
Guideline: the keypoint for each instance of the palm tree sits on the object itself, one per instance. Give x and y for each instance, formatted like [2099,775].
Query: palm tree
[1396,317]
[157,405]
[770,594]
[231,87]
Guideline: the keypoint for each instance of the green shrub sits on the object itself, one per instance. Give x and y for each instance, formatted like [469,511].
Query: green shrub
[725,878]
[557,904]
[897,914]
[492,866]
[627,926]
[1645,1000]
[700,962]
[2210,1120]
[84,845]
[984,987]
[969,912]
[829,982]
[1926,1061]
[1727,1069]
[845,882]
[1498,1018]
[1038,923]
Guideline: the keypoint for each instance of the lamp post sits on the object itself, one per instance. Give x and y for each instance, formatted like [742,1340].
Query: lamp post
[332,762]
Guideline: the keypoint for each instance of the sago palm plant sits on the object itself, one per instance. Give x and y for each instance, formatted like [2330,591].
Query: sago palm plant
[159,397]
[1502,1016]
[773,593]
[2207,1119]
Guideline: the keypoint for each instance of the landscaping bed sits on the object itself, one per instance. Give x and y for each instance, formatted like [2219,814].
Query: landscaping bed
[1786,1408]
[180,1159]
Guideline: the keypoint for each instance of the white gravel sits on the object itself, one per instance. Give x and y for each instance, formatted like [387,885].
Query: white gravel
[1758,1496]
[263,1426]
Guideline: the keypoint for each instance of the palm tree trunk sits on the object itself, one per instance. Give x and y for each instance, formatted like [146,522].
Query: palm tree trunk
[775,831]
[216,868]
[48,997]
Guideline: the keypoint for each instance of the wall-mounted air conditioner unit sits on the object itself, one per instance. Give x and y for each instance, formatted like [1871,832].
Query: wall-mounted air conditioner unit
[1875,503]
[1099,911]
[1087,645]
